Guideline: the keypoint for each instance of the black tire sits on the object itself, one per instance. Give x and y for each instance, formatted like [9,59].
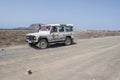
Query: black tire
[68,41]
[42,44]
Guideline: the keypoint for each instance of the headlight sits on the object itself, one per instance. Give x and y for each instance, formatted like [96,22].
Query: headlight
[27,37]
[34,38]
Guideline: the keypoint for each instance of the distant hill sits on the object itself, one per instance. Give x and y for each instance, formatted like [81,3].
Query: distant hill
[31,27]
[34,26]
[21,28]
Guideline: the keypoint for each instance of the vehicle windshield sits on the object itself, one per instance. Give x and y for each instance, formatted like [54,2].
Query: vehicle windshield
[44,28]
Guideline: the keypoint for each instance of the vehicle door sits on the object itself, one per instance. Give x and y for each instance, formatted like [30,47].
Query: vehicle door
[54,35]
[61,33]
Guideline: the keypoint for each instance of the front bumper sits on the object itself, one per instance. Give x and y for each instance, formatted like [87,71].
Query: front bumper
[30,41]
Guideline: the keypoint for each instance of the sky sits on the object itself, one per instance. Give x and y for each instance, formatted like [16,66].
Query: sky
[84,14]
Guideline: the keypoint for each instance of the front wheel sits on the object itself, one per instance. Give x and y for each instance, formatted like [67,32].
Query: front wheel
[43,44]
[68,41]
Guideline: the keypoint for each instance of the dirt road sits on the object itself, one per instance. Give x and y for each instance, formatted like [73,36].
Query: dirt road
[88,59]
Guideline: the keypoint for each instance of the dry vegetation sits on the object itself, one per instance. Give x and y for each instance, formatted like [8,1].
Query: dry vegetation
[13,37]
[86,34]
[17,37]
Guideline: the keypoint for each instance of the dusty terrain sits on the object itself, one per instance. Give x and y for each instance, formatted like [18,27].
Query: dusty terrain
[17,37]
[86,34]
[13,37]
[88,59]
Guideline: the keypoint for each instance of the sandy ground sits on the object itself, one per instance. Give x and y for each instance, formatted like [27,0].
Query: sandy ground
[88,59]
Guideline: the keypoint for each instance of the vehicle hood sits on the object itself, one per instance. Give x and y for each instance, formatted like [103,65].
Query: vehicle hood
[40,33]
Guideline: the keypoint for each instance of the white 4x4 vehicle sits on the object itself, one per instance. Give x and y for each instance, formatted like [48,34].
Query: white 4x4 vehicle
[51,33]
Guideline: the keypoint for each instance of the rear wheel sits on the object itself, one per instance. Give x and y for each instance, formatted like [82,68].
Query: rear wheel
[43,44]
[68,41]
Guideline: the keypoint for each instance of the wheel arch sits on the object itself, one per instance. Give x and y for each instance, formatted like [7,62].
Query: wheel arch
[42,38]
[69,37]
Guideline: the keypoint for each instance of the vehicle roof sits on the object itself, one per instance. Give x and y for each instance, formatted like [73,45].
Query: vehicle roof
[57,24]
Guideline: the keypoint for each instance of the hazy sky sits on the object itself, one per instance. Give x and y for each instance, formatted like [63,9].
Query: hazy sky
[84,14]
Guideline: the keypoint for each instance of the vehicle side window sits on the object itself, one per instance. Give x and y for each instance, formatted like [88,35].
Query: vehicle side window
[54,29]
[61,29]
[69,28]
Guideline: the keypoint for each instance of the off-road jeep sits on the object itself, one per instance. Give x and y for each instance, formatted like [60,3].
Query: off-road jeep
[51,33]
